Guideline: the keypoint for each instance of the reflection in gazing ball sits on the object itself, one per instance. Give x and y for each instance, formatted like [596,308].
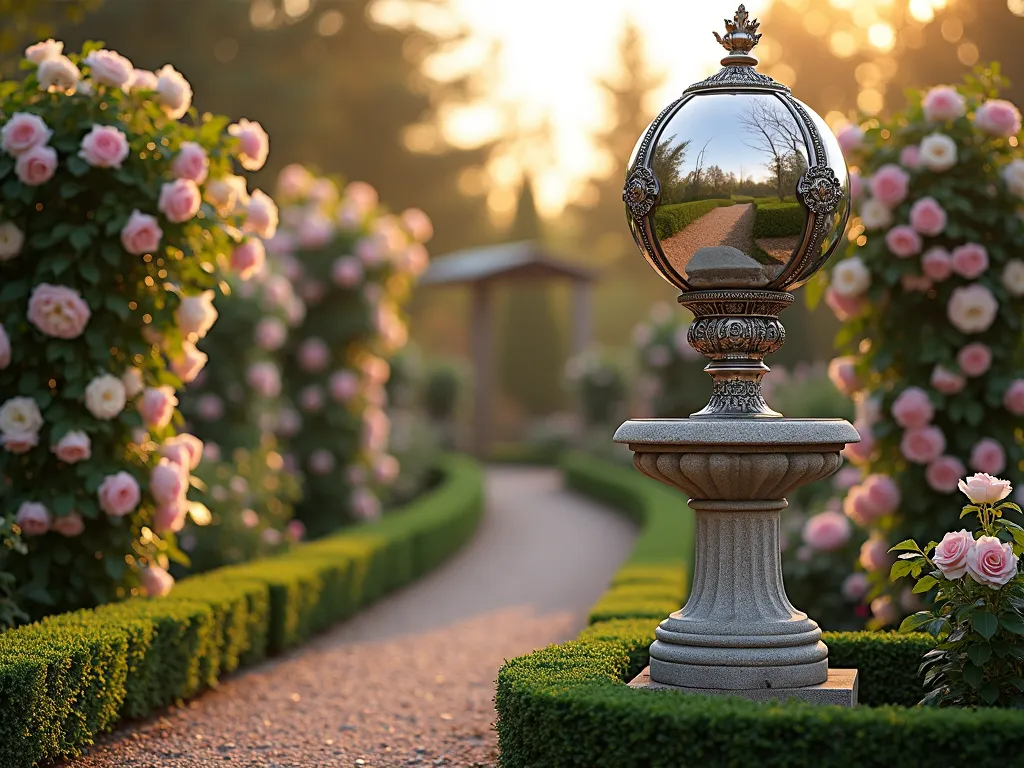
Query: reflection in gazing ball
[737,184]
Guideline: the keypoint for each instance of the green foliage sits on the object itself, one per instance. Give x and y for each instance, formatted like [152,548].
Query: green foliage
[600,385]
[568,705]
[669,219]
[442,387]
[779,219]
[10,545]
[979,659]
[900,334]
[69,678]
[71,226]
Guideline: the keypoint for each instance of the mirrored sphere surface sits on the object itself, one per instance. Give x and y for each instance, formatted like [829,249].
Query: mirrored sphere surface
[727,167]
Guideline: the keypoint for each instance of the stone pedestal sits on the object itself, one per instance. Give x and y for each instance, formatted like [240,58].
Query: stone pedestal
[839,690]
[738,631]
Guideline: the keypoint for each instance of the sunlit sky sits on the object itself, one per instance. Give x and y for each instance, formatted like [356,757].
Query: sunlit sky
[552,52]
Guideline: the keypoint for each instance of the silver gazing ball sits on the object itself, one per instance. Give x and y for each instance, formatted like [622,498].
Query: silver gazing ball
[738,130]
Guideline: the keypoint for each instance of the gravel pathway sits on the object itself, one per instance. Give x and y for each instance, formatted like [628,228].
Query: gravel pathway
[732,225]
[408,682]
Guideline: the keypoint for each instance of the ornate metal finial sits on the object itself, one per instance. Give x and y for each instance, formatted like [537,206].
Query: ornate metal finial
[741,35]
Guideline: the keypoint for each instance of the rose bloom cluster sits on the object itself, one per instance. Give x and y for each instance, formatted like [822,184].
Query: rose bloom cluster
[672,379]
[932,275]
[344,256]
[115,299]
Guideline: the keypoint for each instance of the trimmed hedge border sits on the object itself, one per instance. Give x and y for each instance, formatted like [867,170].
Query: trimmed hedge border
[72,676]
[670,219]
[568,705]
[779,220]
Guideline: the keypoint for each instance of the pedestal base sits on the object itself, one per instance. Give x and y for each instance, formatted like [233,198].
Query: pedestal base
[839,690]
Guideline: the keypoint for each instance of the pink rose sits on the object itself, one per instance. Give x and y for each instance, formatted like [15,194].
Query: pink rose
[183,449]
[1013,398]
[988,456]
[70,525]
[36,166]
[974,359]
[119,494]
[248,257]
[58,311]
[943,103]
[191,162]
[998,117]
[922,445]
[143,80]
[141,234]
[944,473]
[321,462]
[913,408]
[347,272]
[344,385]
[22,132]
[413,259]
[846,478]
[884,493]
[386,469]
[173,93]
[33,518]
[417,224]
[903,242]
[928,217]
[855,587]
[890,185]
[5,348]
[850,138]
[315,231]
[39,52]
[270,334]
[860,507]
[990,561]
[365,505]
[104,147]
[75,446]
[260,215]
[947,382]
[156,406]
[313,355]
[937,263]
[264,377]
[167,482]
[856,186]
[983,488]
[109,68]
[951,553]
[156,582]
[842,371]
[970,260]
[376,369]
[210,407]
[845,307]
[179,200]
[874,554]
[311,398]
[189,363]
[170,516]
[253,143]
[884,610]
[910,157]
[296,530]
[19,442]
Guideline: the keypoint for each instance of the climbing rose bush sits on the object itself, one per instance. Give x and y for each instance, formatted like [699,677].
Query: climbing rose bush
[117,222]
[977,608]
[931,291]
[671,381]
[354,266]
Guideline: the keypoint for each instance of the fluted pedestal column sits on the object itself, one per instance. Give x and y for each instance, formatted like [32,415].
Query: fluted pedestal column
[738,631]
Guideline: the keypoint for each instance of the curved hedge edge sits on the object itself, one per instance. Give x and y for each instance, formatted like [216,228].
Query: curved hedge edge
[568,705]
[72,676]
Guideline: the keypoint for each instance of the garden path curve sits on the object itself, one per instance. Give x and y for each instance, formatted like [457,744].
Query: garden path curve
[410,680]
[731,225]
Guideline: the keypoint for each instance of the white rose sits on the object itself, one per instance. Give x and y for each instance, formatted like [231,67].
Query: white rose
[938,152]
[972,308]
[105,397]
[260,215]
[196,314]
[1013,277]
[226,192]
[109,68]
[173,93]
[41,51]
[1013,174]
[875,215]
[132,380]
[20,416]
[11,240]
[58,74]
[850,277]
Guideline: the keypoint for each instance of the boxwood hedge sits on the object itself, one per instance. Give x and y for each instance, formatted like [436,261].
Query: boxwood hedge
[568,705]
[669,219]
[72,676]
[779,220]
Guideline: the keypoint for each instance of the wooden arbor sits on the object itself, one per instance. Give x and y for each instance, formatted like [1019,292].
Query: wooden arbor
[481,269]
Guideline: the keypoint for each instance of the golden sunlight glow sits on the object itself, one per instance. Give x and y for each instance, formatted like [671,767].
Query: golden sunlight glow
[922,10]
[968,54]
[882,36]
[1016,7]
[870,101]
[843,44]
[952,29]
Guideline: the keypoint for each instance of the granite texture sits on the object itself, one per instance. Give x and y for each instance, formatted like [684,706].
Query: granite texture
[723,266]
[689,434]
[840,689]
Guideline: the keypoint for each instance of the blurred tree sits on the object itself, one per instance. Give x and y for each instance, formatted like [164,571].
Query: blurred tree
[866,55]
[336,83]
[532,344]
[31,20]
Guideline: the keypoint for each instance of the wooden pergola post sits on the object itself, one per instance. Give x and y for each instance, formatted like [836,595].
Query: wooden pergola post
[580,316]
[483,366]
